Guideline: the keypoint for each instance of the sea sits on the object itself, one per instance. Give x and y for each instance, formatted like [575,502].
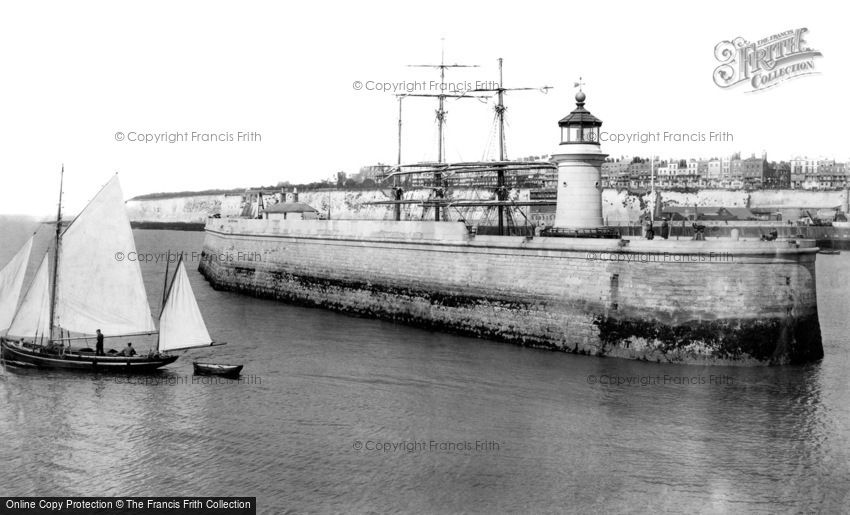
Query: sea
[337,414]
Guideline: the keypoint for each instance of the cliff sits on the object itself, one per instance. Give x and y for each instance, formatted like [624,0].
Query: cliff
[341,204]
[618,207]
[189,209]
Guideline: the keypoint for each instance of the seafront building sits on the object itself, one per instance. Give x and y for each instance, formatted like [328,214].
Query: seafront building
[635,173]
[728,172]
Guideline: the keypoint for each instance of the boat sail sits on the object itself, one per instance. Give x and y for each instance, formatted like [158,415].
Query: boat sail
[94,287]
[33,317]
[181,325]
[11,284]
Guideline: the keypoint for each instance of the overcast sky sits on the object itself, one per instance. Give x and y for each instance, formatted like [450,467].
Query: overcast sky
[76,73]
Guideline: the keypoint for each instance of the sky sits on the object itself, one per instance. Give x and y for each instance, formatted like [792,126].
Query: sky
[75,74]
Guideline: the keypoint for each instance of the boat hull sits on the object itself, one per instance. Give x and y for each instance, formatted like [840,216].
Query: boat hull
[217,370]
[17,354]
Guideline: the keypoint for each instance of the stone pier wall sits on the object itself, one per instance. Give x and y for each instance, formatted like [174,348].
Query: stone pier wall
[712,302]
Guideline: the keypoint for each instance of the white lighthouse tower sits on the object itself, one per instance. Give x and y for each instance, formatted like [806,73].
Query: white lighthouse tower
[579,159]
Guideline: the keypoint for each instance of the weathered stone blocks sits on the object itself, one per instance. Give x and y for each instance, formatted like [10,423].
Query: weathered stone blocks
[657,300]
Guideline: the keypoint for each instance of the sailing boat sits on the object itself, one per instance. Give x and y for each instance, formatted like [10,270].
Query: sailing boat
[93,288]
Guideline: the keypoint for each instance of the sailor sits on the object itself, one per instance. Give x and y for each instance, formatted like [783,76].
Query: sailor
[129,350]
[98,348]
[665,229]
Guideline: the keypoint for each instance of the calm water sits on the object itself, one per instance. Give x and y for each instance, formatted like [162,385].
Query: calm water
[318,384]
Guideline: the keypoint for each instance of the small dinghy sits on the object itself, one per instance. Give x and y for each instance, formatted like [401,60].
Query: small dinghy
[216,369]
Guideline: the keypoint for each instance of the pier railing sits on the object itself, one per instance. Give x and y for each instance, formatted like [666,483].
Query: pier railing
[828,237]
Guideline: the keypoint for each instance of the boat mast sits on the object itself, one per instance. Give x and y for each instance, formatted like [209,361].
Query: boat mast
[500,113]
[400,98]
[56,253]
[501,193]
[501,189]
[652,187]
[166,290]
[165,281]
[441,122]
[441,118]
[396,186]
[441,111]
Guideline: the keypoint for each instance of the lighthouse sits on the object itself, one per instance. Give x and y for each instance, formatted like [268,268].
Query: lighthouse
[579,159]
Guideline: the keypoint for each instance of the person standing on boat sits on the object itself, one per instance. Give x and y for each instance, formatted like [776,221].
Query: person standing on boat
[98,348]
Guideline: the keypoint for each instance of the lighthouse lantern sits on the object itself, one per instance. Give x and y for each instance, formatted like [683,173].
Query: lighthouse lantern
[580,126]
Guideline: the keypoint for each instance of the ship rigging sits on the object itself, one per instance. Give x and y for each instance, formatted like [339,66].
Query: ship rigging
[499,176]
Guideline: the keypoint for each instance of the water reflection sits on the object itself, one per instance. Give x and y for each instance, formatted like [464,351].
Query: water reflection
[725,439]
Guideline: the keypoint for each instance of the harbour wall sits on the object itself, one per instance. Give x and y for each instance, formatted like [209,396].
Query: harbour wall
[619,207]
[701,302]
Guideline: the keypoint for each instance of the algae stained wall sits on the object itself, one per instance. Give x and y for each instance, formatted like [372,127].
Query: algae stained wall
[545,292]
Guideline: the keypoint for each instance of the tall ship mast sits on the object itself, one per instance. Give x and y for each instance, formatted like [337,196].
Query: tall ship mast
[444,174]
[501,189]
[439,186]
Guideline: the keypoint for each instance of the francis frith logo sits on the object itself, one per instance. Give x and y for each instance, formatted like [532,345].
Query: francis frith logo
[766,63]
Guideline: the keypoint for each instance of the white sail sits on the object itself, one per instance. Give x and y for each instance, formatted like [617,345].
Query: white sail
[100,283]
[11,283]
[181,324]
[33,317]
